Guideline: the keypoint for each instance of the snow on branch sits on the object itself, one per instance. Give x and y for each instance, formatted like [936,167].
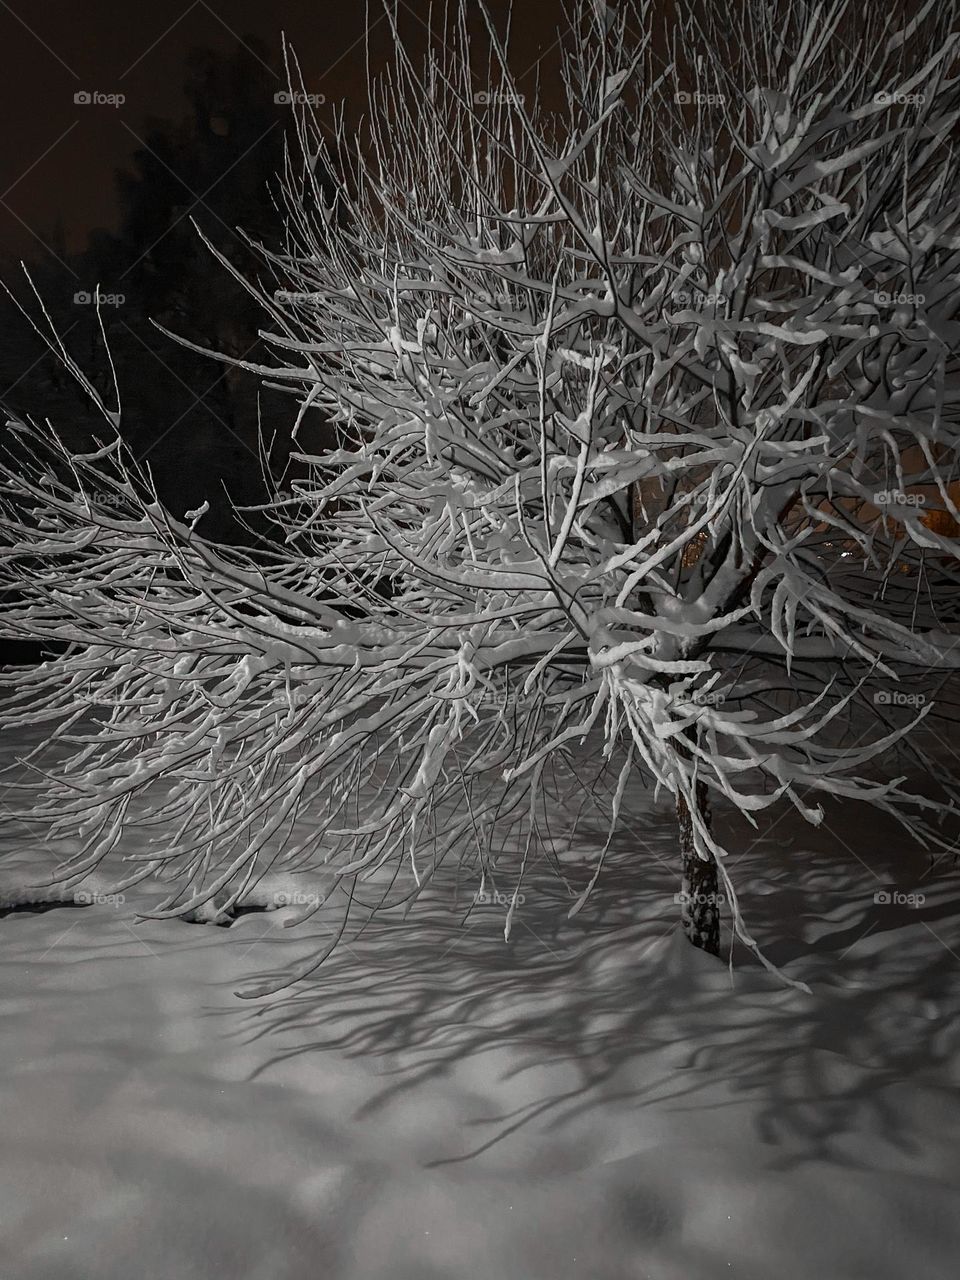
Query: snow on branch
[635,405]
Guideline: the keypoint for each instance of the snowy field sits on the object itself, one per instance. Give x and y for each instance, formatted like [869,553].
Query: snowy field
[594,1100]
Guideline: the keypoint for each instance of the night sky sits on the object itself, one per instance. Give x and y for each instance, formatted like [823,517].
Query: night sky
[59,158]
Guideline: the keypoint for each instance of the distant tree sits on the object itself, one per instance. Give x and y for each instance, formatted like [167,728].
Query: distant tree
[197,424]
[214,170]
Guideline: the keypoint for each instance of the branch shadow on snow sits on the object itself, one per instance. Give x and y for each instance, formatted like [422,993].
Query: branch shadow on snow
[583,1019]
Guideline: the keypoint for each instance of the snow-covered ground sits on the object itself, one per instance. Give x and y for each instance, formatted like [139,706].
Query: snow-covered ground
[594,1099]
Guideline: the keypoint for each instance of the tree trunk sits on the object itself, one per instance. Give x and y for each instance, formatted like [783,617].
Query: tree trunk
[699,896]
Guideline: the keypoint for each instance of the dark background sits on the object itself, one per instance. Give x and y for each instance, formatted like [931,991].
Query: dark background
[59,160]
[103,195]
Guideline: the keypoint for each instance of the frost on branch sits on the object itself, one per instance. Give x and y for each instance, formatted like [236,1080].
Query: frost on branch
[647,426]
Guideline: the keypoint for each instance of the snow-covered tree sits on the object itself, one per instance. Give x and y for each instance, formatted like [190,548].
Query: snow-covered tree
[648,418]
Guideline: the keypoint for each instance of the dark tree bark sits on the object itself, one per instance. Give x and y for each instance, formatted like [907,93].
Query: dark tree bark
[699,893]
